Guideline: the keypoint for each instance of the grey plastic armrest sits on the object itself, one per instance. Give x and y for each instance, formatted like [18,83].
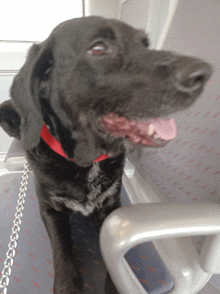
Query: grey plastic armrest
[131,225]
[15,158]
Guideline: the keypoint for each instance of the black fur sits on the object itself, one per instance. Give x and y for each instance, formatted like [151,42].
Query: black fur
[9,119]
[69,87]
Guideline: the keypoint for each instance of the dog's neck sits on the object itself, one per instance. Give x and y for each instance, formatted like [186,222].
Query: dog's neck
[56,146]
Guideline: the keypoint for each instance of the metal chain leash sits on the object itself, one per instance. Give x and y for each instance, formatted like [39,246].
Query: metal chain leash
[15,230]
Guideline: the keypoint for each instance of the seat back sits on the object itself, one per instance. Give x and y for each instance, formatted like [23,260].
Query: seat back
[187,169]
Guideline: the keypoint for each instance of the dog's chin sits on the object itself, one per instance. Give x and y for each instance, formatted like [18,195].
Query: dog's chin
[155,132]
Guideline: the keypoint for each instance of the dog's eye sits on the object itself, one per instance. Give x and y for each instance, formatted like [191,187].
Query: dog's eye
[98,49]
[145,42]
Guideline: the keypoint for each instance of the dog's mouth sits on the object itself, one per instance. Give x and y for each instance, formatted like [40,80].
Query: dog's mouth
[150,132]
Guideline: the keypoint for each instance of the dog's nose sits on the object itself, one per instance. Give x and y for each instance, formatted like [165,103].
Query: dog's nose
[191,75]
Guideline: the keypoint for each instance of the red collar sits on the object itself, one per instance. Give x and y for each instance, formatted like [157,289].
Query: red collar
[56,146]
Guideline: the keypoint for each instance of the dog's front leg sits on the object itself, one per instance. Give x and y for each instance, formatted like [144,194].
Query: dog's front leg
[67,279]
[99,217]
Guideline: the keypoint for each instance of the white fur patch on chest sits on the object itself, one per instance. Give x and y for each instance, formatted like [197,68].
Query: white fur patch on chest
[95,198]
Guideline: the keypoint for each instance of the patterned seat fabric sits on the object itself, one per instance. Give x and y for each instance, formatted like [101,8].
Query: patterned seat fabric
[32,270]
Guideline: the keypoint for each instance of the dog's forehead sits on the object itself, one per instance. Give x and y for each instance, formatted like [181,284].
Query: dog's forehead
[90,28]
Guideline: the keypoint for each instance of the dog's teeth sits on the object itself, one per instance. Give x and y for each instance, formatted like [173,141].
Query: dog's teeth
[155,136]
[150,130]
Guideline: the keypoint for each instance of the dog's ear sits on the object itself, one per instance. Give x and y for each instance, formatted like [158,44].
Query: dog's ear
[10,119]
[25,95]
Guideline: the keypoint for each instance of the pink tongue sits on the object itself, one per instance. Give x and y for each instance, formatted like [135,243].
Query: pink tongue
[143,132]
[165,129]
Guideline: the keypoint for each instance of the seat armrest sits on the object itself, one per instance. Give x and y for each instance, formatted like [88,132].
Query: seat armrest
[15,158]
[131,225]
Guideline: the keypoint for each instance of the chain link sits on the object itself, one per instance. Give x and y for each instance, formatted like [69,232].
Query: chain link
[15,230]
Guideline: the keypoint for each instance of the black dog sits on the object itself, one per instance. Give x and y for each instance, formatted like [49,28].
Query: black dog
[84,96]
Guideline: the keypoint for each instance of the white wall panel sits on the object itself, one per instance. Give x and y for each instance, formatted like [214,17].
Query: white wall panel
[33,20]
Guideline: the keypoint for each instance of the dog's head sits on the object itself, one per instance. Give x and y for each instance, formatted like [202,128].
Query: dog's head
[95,83]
